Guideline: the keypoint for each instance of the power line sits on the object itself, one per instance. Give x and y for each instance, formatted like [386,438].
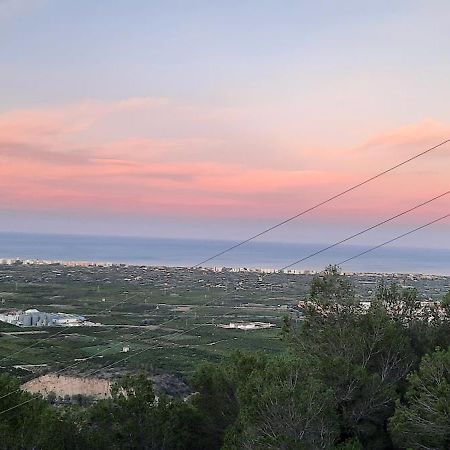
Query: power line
[277,226]
[390,219]
[353,257]
[283,268]
[318,205]
[198,326]
[394,239]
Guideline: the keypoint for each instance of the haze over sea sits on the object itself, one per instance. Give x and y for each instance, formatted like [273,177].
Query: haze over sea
[188,252]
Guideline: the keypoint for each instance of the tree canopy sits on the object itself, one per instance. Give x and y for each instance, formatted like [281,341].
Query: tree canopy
[350,377]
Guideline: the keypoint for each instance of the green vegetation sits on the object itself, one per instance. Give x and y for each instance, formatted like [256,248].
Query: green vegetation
[345,377]
[148,316]
[446,300]
[423,419]
[34,424]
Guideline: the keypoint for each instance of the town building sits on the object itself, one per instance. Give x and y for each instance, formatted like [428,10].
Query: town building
[36,318]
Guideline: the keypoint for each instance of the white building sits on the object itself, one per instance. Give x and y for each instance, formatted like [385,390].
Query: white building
[36,318]
[247,325]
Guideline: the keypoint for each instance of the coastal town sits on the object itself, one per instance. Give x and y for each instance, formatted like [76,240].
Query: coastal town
[237,279]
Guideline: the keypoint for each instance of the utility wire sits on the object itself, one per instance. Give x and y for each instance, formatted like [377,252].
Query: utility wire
[394,239]
[318,205]
[198,326]
[390,219]
[353,257]
[265,274]
[362,183]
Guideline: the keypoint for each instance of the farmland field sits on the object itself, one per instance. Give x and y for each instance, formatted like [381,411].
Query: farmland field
[167,317]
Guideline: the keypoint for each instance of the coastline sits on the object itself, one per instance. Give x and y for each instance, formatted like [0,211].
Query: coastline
[255,256]
[217,269]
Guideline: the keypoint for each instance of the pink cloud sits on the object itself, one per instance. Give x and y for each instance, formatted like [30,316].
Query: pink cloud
[63,159]
[425,133]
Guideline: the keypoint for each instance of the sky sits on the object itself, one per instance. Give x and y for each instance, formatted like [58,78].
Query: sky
[200,119]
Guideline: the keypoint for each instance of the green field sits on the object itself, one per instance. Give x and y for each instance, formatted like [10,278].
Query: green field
[168,317]
[164,331]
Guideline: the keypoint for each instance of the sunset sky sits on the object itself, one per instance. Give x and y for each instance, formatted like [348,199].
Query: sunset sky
[218,118]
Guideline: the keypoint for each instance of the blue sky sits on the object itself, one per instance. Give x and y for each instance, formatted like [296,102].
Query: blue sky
[232,114]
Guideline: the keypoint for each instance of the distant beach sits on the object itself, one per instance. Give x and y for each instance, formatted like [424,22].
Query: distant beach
[188,252]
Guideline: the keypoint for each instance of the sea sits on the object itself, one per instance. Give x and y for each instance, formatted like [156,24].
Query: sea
[190,252]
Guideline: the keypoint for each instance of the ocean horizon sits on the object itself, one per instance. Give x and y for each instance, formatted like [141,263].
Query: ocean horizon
[189,252]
